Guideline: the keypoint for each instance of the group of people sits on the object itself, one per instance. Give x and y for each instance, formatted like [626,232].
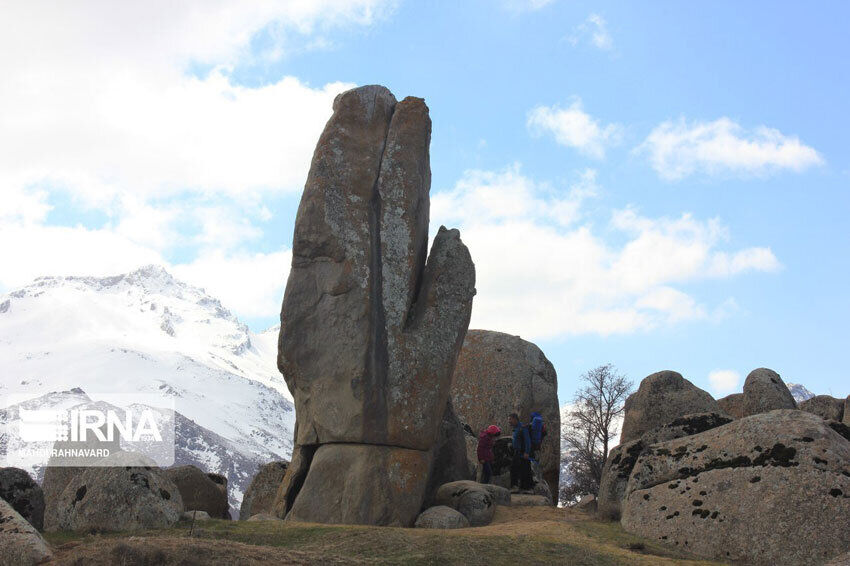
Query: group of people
[526,440]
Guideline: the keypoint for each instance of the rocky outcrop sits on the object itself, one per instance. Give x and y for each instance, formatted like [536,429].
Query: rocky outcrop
[25,496]
[473,500]
[661,398]
[622,459]
[441,517]
[765,391]
[118,498]
[370,331]
[259,497]
[733,405]
[824,406]
[772,488]
[19,541]
[498,374]
[198,491]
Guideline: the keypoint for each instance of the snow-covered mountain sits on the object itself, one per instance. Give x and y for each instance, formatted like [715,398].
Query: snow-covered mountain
[67,338]
[799,392]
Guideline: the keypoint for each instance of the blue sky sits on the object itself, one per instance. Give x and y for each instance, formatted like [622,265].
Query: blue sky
[657,185]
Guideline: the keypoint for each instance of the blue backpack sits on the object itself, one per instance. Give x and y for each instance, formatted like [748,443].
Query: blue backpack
[538,429]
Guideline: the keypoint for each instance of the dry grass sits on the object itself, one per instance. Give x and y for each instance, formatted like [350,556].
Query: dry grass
[518,535]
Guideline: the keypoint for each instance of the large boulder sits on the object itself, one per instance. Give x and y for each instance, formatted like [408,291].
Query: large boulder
[118,498]
[472,499]
[25,496]
[765,391]
[661,398]
[824,406]
[772,488]
[733,405]
[498,374]
[370,330]
[441,517]
[259,497]
[198,491]
[622,459]
[20,542]
[362,484]
[846,419]
[61,469]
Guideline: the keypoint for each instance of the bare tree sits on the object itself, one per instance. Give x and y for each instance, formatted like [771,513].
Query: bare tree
[591,427]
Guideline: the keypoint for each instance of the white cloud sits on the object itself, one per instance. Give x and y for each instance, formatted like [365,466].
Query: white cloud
[250,284]
[679,149]
[30,251]
[508,195]
[599,34]
[104,103]
[107,115]
[573,127]
[724,381]
[595,30]
[542,278]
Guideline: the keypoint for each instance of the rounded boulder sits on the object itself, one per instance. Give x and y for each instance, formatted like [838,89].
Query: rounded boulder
[824,406]
[441,517]
[660,399]
[121,498]
[199,491]
[470,498]
[260,495]
[765,391]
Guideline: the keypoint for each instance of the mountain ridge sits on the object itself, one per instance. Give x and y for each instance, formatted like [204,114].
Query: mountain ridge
[147,332]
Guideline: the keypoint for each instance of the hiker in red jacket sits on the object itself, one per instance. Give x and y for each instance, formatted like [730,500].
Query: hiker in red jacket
[485,451]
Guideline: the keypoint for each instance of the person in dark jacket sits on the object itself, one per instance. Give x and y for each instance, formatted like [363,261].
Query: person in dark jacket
[521,463]
[485,451]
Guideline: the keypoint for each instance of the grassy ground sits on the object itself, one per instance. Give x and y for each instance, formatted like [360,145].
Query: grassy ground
[517,536]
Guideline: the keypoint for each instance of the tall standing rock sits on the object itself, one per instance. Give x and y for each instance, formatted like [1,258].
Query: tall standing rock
[765,391]
[660,399]
[370,331]
[498,374]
